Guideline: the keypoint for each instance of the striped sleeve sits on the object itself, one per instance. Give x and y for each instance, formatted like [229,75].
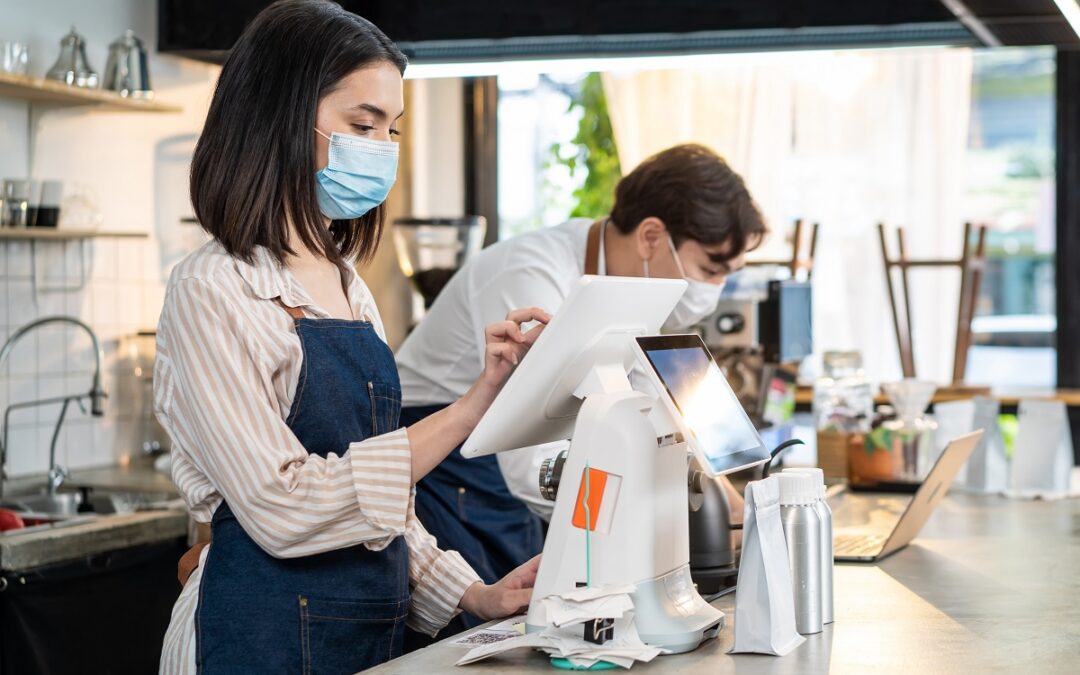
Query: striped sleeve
[438,579]
[220,408]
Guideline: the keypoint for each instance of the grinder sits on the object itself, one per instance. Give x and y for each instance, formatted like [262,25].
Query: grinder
[713,553]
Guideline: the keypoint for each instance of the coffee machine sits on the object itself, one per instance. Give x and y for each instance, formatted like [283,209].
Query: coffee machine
[431,250]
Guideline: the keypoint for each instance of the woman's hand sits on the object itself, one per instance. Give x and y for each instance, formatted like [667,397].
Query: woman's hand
[505,346]
[506,597]
[433,438]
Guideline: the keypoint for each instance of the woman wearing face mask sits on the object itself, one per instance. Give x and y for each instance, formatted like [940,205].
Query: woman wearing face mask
[275,383]
[682,213]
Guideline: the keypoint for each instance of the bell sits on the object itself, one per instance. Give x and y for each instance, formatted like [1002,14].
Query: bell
[71,66]
[126,71]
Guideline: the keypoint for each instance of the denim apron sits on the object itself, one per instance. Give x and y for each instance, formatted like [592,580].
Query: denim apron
[466,505]
[335,612]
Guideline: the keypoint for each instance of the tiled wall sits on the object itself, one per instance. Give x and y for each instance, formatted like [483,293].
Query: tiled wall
[134,166]
[122,295]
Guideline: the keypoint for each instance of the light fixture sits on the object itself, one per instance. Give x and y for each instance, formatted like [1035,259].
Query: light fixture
[1070,9]
[596,64]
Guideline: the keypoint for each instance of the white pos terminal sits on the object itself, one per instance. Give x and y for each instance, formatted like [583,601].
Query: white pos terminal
[620,512]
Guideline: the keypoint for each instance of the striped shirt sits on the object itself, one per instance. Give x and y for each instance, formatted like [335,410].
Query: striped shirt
[228,362]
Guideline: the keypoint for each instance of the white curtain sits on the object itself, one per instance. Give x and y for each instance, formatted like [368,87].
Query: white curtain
[847,139]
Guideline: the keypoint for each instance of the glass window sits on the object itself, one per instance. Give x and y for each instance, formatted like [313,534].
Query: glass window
[1010,189]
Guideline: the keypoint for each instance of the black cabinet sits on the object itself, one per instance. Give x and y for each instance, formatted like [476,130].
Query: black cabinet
[106,613]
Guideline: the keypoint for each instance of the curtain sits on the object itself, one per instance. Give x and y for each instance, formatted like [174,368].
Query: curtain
[847,139]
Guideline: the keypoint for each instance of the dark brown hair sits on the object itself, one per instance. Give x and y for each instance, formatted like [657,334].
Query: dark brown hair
[254,165]
[696,194]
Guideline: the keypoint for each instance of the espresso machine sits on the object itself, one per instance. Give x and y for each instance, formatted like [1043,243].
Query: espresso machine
[431,250]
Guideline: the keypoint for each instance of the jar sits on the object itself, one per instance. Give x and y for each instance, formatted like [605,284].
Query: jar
[843,408]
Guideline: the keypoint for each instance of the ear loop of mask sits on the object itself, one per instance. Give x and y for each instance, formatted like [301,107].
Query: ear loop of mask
[675,254]
[322,134]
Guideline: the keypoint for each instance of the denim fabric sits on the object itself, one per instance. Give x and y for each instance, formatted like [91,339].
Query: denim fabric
[335,612]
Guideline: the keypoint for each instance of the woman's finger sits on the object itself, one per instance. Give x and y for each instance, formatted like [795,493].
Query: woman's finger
[503,330]
[533,333]
[525,575]
[514,601]
[503,351]
[527,314]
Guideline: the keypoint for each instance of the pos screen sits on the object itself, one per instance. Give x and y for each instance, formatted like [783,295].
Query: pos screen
[703,404]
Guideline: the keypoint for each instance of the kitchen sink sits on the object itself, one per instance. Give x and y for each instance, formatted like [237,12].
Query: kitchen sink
[61,504]
[86,502]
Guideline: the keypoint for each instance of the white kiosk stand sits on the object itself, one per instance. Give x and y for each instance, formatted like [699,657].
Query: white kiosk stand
[621,509]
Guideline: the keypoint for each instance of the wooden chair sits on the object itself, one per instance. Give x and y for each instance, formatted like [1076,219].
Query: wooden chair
[799,260]
[971,262]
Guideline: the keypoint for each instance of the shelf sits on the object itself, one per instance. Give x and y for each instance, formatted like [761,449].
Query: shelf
[39,90]
[45,233]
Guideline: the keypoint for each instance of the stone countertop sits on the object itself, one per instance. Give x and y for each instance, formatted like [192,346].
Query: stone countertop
[44,545]
[21,551]
[990,586]
[134,476]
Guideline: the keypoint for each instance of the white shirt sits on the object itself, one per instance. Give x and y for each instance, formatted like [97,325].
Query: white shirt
[444,355]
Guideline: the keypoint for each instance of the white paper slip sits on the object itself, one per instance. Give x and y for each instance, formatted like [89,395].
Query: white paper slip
[562,613]
[503,630]
[517,642]
[592,592]
[623,650]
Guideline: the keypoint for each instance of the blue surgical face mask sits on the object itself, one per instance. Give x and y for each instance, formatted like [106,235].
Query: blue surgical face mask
[358,175]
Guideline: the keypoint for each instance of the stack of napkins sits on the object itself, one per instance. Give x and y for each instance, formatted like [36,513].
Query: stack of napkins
[565,638]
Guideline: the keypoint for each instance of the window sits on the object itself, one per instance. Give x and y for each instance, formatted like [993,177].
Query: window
[1010,189]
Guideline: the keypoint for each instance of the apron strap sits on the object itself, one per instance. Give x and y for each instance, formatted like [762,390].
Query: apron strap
[592,248]
[295,312]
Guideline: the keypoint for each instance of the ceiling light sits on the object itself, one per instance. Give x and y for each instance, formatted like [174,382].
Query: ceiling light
[1071,11]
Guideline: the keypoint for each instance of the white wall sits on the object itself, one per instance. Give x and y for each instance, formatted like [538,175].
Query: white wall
[137,165]
[437,111]
[431,183]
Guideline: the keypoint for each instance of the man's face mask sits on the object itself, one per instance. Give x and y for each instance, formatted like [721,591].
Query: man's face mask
[697,303]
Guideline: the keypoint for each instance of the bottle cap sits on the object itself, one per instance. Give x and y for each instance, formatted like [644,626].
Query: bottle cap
[818,474]
[797,488]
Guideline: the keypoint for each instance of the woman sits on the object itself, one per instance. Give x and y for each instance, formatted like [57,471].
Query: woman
[682,213]
[274,381]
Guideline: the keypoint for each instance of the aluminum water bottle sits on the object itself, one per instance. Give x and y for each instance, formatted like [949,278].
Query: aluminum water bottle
[802,530]
[825,514]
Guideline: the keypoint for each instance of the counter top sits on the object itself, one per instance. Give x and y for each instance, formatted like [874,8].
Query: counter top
[138,476]
[134,476]
[26,549]
[21,551]
[990,586]
[1008,398]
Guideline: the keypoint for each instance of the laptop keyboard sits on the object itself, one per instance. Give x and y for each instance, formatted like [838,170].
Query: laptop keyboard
[857,545]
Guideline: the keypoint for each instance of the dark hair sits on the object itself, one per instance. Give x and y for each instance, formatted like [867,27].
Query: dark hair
[254,165]
[696,194]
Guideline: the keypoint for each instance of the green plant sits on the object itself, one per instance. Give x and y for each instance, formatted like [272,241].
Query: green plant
[593,152]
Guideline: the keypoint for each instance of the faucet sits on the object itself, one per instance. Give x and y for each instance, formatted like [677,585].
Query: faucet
[97,396]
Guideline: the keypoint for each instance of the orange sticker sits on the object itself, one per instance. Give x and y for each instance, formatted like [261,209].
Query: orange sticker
[597,482]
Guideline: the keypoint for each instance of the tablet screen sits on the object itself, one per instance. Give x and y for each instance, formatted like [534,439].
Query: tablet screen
[713,415]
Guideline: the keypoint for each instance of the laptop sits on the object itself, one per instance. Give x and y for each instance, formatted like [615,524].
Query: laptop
[869,527]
